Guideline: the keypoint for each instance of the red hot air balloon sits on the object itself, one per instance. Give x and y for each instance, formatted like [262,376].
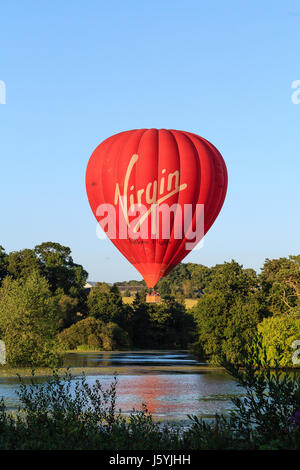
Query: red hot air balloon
[149,188]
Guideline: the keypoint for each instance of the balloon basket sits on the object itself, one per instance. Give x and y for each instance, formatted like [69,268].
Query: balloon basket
[154,297]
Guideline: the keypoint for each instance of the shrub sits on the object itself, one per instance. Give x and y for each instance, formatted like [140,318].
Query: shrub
[95,335]
[84,332]
[63,414]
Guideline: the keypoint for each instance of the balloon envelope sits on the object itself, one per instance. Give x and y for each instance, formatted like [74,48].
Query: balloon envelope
[156,193]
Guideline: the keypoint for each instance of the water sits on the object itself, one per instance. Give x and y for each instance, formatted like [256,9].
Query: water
[171,383]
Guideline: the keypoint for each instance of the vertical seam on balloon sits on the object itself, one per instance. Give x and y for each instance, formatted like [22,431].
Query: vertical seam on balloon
[125,248]
[179,247]
[157,166]
[145,130]
[177,196]
[216,155]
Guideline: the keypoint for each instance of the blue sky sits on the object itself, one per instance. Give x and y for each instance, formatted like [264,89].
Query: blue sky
[77,72]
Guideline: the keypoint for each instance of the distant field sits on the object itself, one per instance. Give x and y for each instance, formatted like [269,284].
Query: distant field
[189,303]
[127,300]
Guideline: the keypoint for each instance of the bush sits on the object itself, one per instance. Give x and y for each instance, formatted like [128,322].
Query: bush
[63,414]
[85,332]
[95,335]
[277,335]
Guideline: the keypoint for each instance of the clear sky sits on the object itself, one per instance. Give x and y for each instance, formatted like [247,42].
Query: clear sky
[77,72]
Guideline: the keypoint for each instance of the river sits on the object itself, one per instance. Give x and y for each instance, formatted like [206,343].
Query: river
[173,384]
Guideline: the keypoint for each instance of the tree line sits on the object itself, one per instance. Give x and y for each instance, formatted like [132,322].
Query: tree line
[45,309]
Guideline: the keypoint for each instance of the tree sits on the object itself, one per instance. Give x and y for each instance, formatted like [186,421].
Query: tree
[92,333]
[280,280]
[171,326]
[67,309]
[3,264]
[22,263]
[140,325]
[105,304]
[59,268]
[114,337]
[82,333]
[164,288]
[228,313]
[211,315]
[28,321]
[232,280]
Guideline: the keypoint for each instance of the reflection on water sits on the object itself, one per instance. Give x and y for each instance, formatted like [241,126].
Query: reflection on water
[171,383]
[151,358]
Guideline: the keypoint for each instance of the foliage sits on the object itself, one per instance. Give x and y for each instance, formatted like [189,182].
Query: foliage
[78,334]
[277,335]
[228,313]
[63,414]
[67,309]
[105,304]
[3,264]
[280,280]
[189,279]
[28,321]
[114,337]
[92,333]
[170,316]
[59,268]
[22,263]
[265,415]
[160,325]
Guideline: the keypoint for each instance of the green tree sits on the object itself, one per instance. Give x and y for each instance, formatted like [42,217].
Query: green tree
[164,288]
[140,325]
[22,263]
[171,325]
[228,312]
[92,333]
[114,337]
[3,264]
[232,280]
[59,268]
[28,321]
[86,332]
[105,304]
[68,309]
[280,280]
[211,315]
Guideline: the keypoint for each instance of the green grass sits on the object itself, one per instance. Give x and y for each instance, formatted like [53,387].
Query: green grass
[189,303]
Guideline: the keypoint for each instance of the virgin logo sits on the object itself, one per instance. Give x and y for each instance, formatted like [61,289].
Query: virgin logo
[143,213]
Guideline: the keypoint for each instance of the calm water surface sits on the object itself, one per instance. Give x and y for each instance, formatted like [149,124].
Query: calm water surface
[171,383]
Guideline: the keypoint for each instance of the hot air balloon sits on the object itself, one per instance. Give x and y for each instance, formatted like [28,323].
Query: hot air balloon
[149,189]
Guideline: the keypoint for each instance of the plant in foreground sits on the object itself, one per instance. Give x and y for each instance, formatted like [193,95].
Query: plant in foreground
[68,413]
